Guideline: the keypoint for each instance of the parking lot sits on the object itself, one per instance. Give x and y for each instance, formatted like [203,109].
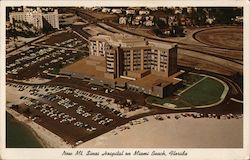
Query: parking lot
[64,39]
[119,96]
[47,56]
[71,108]
[73,114]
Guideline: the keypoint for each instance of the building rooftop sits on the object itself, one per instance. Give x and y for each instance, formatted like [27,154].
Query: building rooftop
[128,41]
[153,79]
[87,67]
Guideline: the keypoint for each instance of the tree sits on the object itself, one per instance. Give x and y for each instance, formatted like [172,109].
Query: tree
[157,32]
[238,78]
[160,23]
[198,16]
[225,15]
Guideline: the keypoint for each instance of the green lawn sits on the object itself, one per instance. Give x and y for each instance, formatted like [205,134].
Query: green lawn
[188,80]
[205,92]
[191,78]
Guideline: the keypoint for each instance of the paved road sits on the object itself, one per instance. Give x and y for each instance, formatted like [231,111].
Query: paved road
[189,47]
[28,43]
[57,47]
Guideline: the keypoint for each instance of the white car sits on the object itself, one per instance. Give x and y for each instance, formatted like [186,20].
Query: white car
[94,88]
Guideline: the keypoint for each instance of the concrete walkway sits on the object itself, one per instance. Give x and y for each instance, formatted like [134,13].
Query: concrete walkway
[236,100]
[191,86]
[81,36]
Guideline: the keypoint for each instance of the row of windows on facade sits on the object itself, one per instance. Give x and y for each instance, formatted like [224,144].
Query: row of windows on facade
[103,45]
[102,49]
[135,55]
[162,69]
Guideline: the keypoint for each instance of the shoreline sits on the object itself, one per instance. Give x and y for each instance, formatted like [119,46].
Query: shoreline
[22,122]
[36,136]
[109,140]
[168,129]
[46,138]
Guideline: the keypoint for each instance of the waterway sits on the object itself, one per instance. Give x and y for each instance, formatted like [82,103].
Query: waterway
[19,135]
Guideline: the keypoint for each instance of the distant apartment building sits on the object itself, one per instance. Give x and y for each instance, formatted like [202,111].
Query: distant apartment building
[36,17]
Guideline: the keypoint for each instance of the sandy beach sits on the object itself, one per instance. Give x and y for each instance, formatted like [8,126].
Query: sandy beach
[47,138]
[185,132]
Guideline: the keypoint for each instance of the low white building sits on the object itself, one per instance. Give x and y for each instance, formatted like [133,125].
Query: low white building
[123,20]
[106,10]
[210,20]
[178,11]
[153,8]
[149,18]
[138,17]
[130,11]
[189,10]
[117,11]
[239,19]
[172,21]
[94,8]
[148,23]
[135,22]
[144,12]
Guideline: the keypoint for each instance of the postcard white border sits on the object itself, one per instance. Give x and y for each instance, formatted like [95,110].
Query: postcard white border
[35,154]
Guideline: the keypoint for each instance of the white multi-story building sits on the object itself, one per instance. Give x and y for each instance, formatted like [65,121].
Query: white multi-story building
[52,18]
[128,53]
[150,66]
[36,17]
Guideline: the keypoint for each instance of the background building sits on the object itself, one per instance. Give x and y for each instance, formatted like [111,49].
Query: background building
[36,17]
